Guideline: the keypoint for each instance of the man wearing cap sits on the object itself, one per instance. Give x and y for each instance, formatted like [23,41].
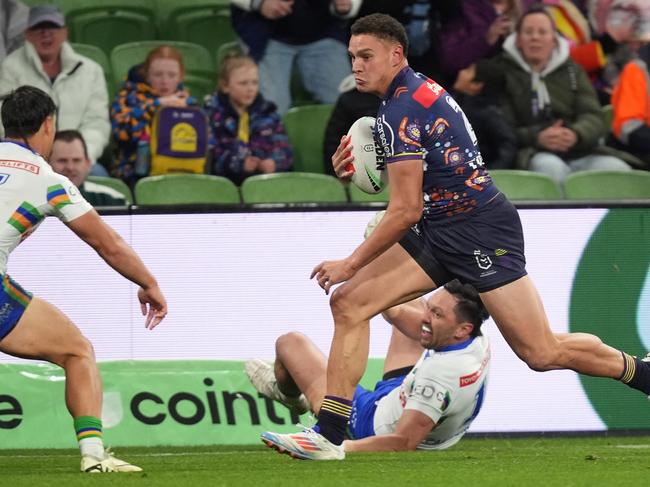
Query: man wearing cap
[75,83]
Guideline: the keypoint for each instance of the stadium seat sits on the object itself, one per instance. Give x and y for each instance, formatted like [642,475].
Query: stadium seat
[116,184]
[197,60]
[293,187]
[100,57]
[203,22]
[306,129]
[186,189]
[110,22]
[525,185]
[225,48]
[358,196]
[608,185]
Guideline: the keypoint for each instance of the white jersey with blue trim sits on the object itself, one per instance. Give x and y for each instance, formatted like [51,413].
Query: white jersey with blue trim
[447,385]
[29,191]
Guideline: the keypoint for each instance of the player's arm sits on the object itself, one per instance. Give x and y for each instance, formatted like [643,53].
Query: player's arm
[412,429]
[117,254]
[407,317]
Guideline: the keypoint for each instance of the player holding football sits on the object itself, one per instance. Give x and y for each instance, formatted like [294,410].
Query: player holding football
[30,327]
[445,219]
[426,406]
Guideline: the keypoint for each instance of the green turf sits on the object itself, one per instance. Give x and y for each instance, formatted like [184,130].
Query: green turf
[593,461]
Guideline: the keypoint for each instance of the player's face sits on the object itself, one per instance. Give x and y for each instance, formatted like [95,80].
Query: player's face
[536,39]
[374,62]
[68,159]
[440,325]
[164,75]
[242,86]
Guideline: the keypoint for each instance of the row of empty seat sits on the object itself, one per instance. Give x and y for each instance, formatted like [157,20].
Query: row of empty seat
[298,187]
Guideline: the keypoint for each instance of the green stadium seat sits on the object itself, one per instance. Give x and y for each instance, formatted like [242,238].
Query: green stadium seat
[306,129]
[293,187]
[185,189]
[197,60]
[203,22]
[358,196]
[116,184]
[110,22]
[608,185]
[525,185]
[100,57]
[226,48]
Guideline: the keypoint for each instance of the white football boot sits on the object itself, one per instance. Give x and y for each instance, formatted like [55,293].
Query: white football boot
[91,464]
[307,445]
[261,375]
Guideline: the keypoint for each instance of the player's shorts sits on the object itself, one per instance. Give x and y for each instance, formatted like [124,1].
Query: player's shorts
[364,405]
[13,302]
[484,248]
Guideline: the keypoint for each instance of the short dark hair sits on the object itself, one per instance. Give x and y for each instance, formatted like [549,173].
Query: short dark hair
[469,306]
[24,110]
[536,8]
[382,26]
[70,136]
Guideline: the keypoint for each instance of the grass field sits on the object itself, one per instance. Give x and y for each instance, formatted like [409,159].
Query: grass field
[592,461]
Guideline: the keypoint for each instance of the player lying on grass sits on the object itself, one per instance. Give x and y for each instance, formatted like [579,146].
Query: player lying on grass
[428,405]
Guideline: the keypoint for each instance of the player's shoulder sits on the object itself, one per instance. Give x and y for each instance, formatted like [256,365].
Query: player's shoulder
[15,157]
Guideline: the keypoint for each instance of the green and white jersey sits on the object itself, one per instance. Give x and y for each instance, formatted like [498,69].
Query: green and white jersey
[29,191]
[447,385]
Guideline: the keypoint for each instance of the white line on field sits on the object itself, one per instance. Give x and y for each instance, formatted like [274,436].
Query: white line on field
[180,454]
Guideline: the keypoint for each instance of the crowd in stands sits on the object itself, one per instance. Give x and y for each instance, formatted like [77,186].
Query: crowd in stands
[551,86]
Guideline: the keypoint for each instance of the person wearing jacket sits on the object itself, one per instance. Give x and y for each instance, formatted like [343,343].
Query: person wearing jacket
[551,102]
[75,83]
[247,132]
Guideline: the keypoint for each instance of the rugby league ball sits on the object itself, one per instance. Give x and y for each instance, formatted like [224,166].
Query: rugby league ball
[369,169]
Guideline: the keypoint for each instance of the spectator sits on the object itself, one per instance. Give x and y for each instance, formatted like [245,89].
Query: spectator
[75,83]
[551,102]
[157,82]
[13,22]
[70,157]
[310,33]
[248,134]
[476,32]
[631,105]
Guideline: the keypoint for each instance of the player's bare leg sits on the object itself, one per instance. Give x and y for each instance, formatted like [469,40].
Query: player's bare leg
[402,351]
[45,333]
[519,313]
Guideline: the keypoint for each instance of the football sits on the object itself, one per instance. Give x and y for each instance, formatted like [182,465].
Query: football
[368,165]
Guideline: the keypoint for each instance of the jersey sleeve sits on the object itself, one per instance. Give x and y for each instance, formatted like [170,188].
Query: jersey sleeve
[433,389]
[65,199]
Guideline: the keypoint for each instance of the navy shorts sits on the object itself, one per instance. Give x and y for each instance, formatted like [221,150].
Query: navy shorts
[13,302]
[484,248]
[364,405]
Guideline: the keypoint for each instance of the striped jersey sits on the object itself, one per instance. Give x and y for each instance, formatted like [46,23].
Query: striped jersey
[447,385]
[29,191]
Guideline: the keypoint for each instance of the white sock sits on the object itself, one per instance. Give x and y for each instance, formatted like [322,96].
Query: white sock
[92,446]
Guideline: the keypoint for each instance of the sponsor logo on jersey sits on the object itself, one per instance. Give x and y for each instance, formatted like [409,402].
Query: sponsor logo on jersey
[467,380]
[428,92]
[384,136]
[25,166]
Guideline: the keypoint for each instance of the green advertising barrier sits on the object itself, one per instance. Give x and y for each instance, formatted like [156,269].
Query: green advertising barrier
[146,404]
[607,295]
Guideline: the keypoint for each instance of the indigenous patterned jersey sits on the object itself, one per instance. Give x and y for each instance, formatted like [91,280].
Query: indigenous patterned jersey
[29,191]
[419,119]
[447,385]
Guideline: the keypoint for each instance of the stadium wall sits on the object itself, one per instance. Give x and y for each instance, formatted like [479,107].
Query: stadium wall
[235,281]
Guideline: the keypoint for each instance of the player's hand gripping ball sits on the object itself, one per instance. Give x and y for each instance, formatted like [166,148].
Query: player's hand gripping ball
[369,169]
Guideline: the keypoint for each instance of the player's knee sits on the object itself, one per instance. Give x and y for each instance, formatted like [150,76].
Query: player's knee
[344,308]
[289,343]
[78,349]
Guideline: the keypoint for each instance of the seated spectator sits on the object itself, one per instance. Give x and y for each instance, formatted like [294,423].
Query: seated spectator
[631,105]
[158,82]
[70,157]
[551,102]
[248,134]
[310,33]
[75,83]
[350,106]
[13,21]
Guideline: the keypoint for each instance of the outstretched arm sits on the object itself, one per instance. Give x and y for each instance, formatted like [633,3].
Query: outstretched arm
[411,430]
[114,250]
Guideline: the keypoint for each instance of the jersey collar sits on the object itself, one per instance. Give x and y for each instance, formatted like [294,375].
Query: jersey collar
[398,80]
[25,146]
[457,346]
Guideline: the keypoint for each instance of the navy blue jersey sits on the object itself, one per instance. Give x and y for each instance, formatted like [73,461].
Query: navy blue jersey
[419,119]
